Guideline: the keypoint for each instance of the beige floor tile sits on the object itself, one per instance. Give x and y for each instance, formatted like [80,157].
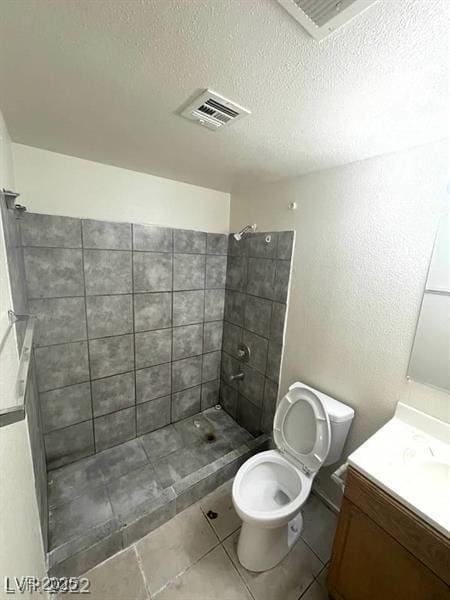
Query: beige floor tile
[119,578]
[212,578]
[315,592]
[221,503]
[319,525]
[286,581]
[173,547]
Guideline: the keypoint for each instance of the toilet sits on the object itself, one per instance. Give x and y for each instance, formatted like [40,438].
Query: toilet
[269,490]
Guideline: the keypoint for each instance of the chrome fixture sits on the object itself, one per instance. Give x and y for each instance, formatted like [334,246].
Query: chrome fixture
[243,352]
[238,377]
[238,236]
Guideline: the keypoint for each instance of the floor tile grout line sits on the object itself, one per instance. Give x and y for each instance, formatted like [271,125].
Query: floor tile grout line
[241,577]
[141,569]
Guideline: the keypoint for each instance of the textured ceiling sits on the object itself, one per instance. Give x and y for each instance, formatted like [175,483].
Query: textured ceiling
[102,80]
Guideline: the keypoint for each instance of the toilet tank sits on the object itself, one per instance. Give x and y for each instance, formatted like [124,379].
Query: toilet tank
[341,417]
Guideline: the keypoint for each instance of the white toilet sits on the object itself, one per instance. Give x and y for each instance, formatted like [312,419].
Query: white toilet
[269,490]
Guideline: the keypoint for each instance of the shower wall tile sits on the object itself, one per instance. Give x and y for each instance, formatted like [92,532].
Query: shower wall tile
[153,415]
[152,311]
[114,428]
[53,272]
[281,280]
[236,278]
[187,341]
[257,247]
[67,445]
[152,238]
[210,394]
[152,272]
[257,315]
[214,305]
[211,366]
[248,416]
[106,236]
[186,403]
[274,361]
[154,382]
[50,231]
[212,336]
[187,241]
[230,366]
[236,248]
[252,385]
[107,272]
[112,355]
[232,337]
[228,398]
[113,393]
[216,243]
[186,373]
[59,320]
[61,365]
[109,315]
[285,245]
[188,307]
[269,406]
[258,350]
[234,307]
[261,277]
[277,322]
[153,347]
[216,271]
[188,271]
[65,406]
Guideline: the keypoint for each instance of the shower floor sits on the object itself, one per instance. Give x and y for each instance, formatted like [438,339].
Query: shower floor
[105,502]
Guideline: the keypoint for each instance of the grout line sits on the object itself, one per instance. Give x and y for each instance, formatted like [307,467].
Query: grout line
[141,569]
[134,332]
[242,578]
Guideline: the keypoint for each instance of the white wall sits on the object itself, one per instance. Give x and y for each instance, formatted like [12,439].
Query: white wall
[364,237]
[21,551]
[63,185]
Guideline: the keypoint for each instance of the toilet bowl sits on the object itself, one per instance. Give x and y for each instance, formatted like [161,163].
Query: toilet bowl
[270,488]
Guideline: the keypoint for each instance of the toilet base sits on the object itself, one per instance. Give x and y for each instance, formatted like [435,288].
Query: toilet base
[261,549]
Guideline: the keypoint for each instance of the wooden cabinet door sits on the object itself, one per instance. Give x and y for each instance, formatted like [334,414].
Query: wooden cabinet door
[368,564]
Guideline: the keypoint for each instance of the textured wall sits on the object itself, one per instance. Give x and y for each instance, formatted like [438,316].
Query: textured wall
[129,328]
[364,237]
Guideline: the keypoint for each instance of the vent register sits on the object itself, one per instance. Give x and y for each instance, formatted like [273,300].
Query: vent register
[214,111]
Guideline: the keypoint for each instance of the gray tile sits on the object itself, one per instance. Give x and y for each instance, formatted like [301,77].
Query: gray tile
[319,526]
[112,393]
[154,382]
[179,464]
[259,248]
[188,307]
[252,385]
[107,272]
[237,248]
[234,307]
[232,337]
[216,271]
[153,347]
[152,311]
[187,241]
[161,442]
[187,341]
[114,428]
[214,305]
[269,405]
[257,315]
[52,272]
[110,356]
[280,291]
[67,445]
[212,336]
[230,366]
[228,398]
[73,480]
[186,373]
[61,365]
[65,406]
[216,243]
[236,273]
[122,459]
[248,416]
[188,271]
[261,277]
[277,322]
[106,235]
[152,415]
[211,366]
[274,361]
[220,501]
[210,394]
[258,350]
[285,243]
[75,518]
[109,315]
[58,320]
[162,510]
[50,231]
[133,490]
[152,272]
[185,403]
[152,238]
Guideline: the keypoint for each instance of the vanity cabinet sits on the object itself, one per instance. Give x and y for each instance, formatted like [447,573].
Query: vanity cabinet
[383,551]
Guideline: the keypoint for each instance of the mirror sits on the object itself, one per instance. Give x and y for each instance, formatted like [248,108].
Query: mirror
[430,356]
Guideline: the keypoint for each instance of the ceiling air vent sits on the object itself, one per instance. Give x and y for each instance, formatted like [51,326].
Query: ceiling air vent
[321,17]
[213,111]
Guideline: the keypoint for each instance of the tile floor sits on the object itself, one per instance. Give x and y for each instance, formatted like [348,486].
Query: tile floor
[192,557]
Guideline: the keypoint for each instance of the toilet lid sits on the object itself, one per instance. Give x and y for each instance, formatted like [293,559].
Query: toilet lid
[301,429]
